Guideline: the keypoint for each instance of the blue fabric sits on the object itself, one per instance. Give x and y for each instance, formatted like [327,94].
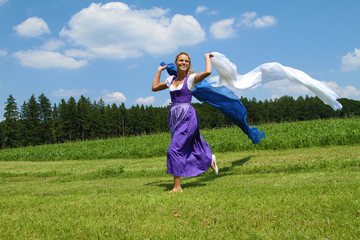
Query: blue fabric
[230,105]
[227,102]
[170,68]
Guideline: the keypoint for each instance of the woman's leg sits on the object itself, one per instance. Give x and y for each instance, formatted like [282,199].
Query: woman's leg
[177,184]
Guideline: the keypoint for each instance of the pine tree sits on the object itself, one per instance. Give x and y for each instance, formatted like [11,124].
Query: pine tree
[84,117]
[47,131]
[97,112]
[30,116]
[116,124]
[60,116]
[71,122]
[123,116]
[108,122]
[10,133]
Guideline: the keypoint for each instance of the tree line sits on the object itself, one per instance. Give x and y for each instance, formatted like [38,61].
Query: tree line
[38,121]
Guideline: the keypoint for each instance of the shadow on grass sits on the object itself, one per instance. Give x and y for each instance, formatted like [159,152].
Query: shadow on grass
[227,170]
[203,179]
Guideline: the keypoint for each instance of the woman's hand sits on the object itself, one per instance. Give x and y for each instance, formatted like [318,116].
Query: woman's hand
[161,68]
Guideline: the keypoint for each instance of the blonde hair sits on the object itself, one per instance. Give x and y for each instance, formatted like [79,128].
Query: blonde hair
[190,71]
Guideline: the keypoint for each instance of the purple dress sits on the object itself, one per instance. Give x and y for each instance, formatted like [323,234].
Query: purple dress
[188,154]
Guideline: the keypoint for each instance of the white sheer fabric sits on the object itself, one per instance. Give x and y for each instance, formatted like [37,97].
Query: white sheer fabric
[268,72]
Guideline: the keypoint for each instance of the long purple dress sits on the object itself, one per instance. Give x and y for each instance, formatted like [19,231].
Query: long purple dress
[188,154]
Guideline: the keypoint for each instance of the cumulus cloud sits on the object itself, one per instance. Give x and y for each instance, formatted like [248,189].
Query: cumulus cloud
[113,97]
[47,59]
[281,88]
[116,31]
[146,101]
[351,61]
[200,9]
[3,53]
[249,19]
[226,28]
[289,88]
[205,9]
[52,45]
[32,27]
[344,92]
[167,103]
[68,92]
[223,29]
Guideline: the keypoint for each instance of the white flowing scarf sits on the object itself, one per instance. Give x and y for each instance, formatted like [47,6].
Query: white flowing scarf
[268,72]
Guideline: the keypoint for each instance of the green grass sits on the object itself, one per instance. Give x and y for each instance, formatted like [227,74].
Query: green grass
[317,133]
[293,192]
[311,193]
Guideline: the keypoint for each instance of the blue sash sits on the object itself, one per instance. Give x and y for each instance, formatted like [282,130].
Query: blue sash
[226,101]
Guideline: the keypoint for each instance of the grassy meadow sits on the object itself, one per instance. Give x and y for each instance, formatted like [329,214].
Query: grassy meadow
[301,182]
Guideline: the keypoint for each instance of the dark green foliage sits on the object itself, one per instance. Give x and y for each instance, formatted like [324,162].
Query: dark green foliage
[10,127]
[30,123]
[41,123]
[46,124]
[84,117]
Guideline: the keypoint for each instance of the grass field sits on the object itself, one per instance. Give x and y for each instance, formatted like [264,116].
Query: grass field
[293,192]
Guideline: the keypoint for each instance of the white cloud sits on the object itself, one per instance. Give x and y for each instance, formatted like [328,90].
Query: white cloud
[167,103]
[344,92]
[2,2]
[288,88]
[68,93]
[47,59]
[266,21]
[351,61]
[274,97]
[32,27]
[114,30]
[52,45]
[146,101]
[226,28]
[249,19]
[112,97]
[3,53]
[281,88]
[223,29]
[200,9]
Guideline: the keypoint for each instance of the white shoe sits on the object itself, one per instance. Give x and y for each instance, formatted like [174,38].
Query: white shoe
[216,168]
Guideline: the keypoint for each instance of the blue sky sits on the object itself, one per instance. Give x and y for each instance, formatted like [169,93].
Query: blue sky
[111,50]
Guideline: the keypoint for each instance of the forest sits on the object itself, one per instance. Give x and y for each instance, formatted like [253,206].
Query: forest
[38,121]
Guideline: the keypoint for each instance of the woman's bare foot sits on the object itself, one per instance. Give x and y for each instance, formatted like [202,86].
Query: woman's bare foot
[176,190]
[213,165]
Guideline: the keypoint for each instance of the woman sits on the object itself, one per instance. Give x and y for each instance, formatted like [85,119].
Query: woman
[188,154]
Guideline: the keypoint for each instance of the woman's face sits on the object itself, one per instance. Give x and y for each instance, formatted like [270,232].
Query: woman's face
[183,62]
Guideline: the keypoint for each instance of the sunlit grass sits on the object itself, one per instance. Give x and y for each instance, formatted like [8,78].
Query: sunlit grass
[302,182]
[316,133]
[310,193]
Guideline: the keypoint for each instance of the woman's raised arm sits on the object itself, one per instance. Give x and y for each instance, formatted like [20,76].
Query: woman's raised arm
[201,76]
[157,85]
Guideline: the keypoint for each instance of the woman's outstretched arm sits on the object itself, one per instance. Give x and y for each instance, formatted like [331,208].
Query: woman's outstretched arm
[157,85]
[201,76]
